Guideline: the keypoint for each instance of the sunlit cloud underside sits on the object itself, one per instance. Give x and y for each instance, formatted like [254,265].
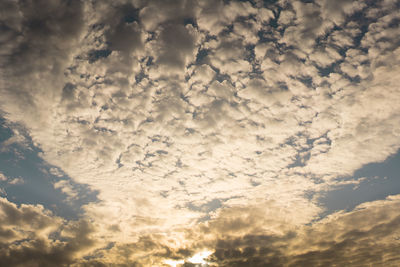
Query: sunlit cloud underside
[199,133]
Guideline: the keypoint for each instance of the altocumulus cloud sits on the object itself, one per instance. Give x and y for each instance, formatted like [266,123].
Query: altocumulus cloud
[206,127]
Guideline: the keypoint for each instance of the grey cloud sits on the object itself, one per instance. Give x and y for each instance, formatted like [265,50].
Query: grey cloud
[337,11]
[43,31]
[44,35]
[251,250]
[32,236]
[358,238]
[176,47]
[26,216]
[214,16]
[122,27]
[172,11]
[341,238]
[125,37]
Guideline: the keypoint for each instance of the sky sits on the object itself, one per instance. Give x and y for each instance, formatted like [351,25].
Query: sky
[199,133]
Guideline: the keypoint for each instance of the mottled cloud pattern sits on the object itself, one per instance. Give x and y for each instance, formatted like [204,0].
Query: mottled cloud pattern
[210,130]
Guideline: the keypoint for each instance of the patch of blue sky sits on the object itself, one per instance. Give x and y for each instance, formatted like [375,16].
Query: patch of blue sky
[381,180]
[31,180]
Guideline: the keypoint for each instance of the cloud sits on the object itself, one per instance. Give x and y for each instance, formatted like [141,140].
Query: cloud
[173,49]
[336,240]
[341,238]
[33,236]
[67,188]
[242,239]
[11,181]
[166,106]
[42,37]
[3,178]
[214,17]
[16,181]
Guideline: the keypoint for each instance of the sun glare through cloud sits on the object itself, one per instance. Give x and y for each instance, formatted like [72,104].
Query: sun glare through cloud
[199,258]
[174,263]
[199,133]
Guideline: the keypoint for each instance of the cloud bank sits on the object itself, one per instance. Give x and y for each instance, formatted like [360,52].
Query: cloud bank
[204,126]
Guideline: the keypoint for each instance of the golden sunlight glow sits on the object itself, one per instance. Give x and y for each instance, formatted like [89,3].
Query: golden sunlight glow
[173,262]
[199,257]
